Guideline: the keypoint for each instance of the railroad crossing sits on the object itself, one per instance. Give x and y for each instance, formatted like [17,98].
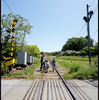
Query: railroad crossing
[51,86]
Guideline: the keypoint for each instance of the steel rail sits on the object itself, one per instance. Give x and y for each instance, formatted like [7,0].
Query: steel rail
[65,83]
[41,88]
[39,97]
[42,91]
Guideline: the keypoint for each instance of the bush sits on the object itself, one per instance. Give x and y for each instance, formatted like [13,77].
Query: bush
[65,53]
[82,52]
[36,60]
[74,68]
[74,52]
[86,72]
[66,76]
[4,69]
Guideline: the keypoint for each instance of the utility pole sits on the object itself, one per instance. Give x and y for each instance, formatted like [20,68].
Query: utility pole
[88,34]
[87,19]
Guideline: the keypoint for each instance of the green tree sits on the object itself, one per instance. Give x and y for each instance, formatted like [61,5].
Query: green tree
[95,48]
[75,44]
[91,40]
[22,27]
[32,50]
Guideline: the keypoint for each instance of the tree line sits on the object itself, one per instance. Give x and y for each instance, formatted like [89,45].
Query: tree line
[79,44]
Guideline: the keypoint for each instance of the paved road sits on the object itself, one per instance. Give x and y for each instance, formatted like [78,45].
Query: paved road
[16,89]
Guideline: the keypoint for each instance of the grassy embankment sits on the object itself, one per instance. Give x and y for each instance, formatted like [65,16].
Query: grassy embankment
[27,71]
[79,67]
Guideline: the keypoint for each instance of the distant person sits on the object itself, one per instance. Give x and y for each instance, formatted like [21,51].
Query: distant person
[46,65]
[42,61]
[53,64]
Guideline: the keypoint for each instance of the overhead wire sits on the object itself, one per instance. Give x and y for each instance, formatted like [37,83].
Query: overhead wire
[95,32]
[81,29]
[31,39]
[85,32]
[92,2]
[13,12]
[84,24]
[95,9]
[8,6]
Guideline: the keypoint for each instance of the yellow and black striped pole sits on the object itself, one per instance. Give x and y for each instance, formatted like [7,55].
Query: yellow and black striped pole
[12,43]
[13,30]
[10,61]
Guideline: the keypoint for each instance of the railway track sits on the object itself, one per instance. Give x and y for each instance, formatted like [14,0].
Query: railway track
[53,87]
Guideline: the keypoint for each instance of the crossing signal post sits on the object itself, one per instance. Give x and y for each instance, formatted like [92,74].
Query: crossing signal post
[87,19]
[9,61]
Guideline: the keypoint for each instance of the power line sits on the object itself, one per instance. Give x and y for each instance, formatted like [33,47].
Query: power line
[32,39]
[85,32]
[95,8]
[92,2]
[8,6]
[81,29]
[94,32]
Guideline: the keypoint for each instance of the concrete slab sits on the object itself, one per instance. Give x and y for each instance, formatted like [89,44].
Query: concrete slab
[89,86]
[7,85]
[16,89]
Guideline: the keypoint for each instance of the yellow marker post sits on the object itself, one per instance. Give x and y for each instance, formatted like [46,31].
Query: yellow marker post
[73,57]
[76,58]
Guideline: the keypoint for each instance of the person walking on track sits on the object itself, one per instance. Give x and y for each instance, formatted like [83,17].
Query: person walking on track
[53,64]
[42,61]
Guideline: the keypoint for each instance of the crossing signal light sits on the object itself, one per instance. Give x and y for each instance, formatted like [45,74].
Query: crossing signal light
[91,13]
[85,18]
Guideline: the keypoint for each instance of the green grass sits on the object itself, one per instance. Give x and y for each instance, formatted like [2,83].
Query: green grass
[25,72]
[80,58]
[79,67]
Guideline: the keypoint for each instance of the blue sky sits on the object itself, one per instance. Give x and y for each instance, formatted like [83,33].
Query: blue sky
[54,21]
